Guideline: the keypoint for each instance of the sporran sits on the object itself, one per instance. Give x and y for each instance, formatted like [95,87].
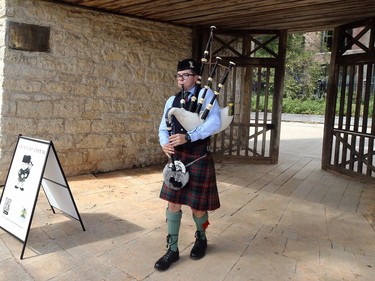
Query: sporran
[176,177]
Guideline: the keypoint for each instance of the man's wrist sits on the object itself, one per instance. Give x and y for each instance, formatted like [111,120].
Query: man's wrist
[187,137]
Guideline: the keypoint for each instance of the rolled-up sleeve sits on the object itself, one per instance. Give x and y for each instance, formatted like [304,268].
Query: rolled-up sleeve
[213,121]
[163,132]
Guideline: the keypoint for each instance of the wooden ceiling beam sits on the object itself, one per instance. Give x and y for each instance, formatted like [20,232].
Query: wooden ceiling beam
[302,15]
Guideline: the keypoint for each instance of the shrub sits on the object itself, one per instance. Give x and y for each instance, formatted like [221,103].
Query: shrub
[295,106]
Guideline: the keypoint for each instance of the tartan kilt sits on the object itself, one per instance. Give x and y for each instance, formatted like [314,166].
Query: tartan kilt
[200,193]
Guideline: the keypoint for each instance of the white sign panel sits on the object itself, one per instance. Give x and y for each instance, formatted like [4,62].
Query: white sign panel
[34,164]
[22,186]
[56,187]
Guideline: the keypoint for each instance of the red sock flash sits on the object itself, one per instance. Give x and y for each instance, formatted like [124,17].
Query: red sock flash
[205,225]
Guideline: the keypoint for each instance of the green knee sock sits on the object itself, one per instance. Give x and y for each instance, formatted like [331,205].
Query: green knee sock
[201,224]
[173,221]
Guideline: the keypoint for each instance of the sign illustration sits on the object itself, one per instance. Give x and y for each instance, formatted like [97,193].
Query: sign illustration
[24,171]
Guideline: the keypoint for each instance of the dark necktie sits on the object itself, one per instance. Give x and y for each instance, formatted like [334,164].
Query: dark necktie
[187,97]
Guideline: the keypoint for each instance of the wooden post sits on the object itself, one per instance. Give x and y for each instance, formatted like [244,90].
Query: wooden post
[278,97]
[329,120]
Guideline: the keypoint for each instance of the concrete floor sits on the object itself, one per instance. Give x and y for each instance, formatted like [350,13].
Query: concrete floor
[290,221]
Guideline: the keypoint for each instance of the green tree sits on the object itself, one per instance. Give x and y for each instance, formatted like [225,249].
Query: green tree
[302,70]
[305,71]
[305,63]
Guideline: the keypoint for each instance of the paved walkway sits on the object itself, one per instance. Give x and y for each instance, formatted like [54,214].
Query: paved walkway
[290,221]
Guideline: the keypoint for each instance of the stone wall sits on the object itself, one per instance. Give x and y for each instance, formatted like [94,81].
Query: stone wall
[98,94]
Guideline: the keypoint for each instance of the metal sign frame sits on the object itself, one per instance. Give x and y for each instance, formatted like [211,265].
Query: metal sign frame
[34,164]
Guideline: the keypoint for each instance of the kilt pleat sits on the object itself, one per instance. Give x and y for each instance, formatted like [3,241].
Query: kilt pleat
[201,192]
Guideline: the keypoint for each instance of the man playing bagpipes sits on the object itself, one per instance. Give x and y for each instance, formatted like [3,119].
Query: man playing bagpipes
[190,155]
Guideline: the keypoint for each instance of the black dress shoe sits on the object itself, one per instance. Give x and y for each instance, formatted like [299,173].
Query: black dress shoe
[165,261]
[199,249]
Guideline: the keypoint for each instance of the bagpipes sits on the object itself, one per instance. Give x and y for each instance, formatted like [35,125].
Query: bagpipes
[175,173]
[189,119]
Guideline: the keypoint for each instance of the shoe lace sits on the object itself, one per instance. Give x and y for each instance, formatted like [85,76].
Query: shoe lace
[168,254]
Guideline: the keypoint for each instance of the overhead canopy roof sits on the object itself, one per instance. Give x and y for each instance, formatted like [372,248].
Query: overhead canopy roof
[293,15]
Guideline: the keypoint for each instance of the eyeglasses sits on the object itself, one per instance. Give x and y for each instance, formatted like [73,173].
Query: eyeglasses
[184,76]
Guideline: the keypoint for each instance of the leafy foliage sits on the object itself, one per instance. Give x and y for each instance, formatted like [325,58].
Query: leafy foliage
[311,106]
[307,106]
[303,71]
[295,106]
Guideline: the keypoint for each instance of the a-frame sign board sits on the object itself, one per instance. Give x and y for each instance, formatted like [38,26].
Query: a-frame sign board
[34,164]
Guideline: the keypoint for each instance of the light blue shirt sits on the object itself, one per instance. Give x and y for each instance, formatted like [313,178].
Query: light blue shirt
[209,127]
